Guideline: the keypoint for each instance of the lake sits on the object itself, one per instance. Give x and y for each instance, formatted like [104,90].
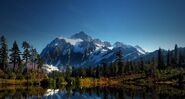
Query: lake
[72,92]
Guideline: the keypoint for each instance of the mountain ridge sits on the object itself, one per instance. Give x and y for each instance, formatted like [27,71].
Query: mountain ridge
[82,50]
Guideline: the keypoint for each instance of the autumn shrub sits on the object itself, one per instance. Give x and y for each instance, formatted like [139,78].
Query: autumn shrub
[1,74]
[60,80]
[19,76]
[12,75]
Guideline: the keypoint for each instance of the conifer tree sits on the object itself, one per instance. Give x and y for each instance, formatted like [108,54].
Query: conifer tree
[111,68]
[119,61]
[69,71]
[26,53]
[126,67]
[169,58]
[15,55]
[34,54]
[141,64]
[181,58]
[98,72]
[40,62]
[176,54]
[160,59]
[153,64]
[3,53]
[104,69]
[131,67]
[115,68]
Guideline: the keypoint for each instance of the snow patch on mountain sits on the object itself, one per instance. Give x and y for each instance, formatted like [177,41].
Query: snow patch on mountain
[56,44]
[71,41]
[99,46]
[110,47]
[140,49]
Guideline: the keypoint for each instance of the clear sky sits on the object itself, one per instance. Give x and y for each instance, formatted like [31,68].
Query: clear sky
[148,23]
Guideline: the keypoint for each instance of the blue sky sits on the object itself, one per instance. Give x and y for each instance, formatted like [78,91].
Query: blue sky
[148,23]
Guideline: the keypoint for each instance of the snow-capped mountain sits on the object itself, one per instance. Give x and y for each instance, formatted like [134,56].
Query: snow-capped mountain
[82,50]
[81,35]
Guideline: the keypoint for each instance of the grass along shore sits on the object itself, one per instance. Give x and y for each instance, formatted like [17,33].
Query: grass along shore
[171,76]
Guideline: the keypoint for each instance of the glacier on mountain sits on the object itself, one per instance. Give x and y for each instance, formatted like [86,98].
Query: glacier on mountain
[82,50]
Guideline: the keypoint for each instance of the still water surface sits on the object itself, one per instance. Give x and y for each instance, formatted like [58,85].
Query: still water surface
[71,92]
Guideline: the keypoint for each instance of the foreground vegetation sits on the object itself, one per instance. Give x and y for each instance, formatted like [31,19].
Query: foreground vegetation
[171,76]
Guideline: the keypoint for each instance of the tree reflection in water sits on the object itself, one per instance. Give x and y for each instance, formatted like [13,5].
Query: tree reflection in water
[124,92]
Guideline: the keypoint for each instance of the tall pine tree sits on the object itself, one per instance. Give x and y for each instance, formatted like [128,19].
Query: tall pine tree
[40,62]
[26,53]
[33,57]
[3,53]
[160,59]
[141,65]
[181,58]
[176,54]
[153,64]
[169,58]
[119,61]
[15,58]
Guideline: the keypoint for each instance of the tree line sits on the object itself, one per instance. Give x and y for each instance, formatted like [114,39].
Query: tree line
[174,58]
[13,59]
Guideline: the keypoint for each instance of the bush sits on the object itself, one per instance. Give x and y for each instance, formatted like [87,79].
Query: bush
[35,82]
[6,76]
[19,76]
[77,81]
[60,80]
[12,75]
[70,80]
[1,74]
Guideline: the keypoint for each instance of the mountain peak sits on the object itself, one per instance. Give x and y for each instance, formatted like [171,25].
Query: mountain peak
[82,35]
[119,44]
